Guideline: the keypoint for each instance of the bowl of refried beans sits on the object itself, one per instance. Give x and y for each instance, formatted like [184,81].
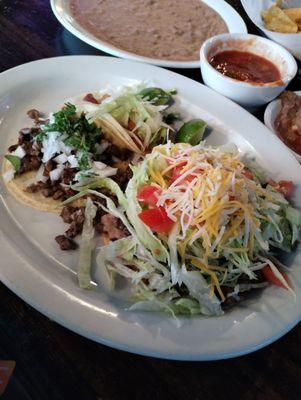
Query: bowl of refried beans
[162,32]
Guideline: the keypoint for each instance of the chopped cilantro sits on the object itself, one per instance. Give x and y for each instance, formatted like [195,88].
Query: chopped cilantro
[84,161]
[78,132]
[15,161]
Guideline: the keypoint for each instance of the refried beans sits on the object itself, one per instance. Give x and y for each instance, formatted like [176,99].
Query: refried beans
[166,29]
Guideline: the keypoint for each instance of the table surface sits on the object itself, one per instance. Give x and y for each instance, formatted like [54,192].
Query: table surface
[56,364]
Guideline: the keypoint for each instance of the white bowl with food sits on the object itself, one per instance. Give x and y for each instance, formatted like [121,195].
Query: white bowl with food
[137,29]
[283,117]
[291,41]
[248,69]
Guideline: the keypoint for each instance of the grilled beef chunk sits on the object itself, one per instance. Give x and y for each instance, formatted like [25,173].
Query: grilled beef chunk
[65,243]
[24,135]
[33,188]
[58,194]
[77,222]
[68,175]
[49,166]
[29,163]
[12,148]
[114,151]
[113,227]
[33,114]
[66,214]
[123,177]
[48,192]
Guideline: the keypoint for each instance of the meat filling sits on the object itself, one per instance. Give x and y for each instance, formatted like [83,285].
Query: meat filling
[60,190]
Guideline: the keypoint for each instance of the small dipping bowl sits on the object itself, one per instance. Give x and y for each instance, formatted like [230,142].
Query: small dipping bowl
[247,94]
[270,115]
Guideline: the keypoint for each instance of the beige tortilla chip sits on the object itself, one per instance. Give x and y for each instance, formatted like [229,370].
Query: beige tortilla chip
[294,14]
[276,20]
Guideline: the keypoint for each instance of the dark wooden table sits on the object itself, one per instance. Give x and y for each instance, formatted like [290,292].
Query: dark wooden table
[55,364]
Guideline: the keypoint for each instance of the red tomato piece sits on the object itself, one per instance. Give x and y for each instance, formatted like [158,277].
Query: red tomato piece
[284,187]
[148,194]
[270,277]
[248,174]
[177,172]
[90,98]
[131,125]
[157,219]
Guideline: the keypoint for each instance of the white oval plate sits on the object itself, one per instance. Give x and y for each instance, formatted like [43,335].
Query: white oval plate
[291,41]
[270,115]
[44,276]
[61,9]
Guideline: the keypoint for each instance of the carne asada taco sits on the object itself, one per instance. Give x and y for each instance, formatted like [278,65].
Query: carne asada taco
[95,136]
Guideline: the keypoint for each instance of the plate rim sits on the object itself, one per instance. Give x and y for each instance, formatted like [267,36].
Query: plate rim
[115,51]
[18,288]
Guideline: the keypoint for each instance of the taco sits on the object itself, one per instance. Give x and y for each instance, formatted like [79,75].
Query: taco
[95,137]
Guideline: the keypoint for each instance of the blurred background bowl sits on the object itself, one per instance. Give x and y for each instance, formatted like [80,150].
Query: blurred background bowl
[270,115]
[291,41]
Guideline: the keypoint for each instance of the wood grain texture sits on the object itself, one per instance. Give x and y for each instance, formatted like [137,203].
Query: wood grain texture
[53,363]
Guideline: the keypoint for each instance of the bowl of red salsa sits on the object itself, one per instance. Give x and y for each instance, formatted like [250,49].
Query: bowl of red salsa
[248,69]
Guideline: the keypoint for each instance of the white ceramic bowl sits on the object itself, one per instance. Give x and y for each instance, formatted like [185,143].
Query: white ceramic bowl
[291,41]
[244,93]
[270,115]
[61,9]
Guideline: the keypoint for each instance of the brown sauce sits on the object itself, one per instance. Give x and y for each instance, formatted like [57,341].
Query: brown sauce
[166,29]
[288,121]
[245,66]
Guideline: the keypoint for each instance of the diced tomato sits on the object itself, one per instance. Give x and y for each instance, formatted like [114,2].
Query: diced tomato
[177,172]
[284,187]
[148,194]
[157,219]
[90,98]
[248,174]
[270,277]
[131,125]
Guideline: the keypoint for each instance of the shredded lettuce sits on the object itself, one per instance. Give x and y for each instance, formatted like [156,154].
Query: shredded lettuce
[199,290]
[294,218]
[85,252]
[130,109]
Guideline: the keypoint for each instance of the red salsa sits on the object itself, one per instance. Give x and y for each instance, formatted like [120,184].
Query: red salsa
[245,66]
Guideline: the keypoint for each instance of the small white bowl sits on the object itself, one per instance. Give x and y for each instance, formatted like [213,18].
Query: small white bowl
[270,115]
[291,41]
[247,94]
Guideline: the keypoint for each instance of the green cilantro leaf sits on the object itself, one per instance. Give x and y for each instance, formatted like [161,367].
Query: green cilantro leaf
[15,161]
